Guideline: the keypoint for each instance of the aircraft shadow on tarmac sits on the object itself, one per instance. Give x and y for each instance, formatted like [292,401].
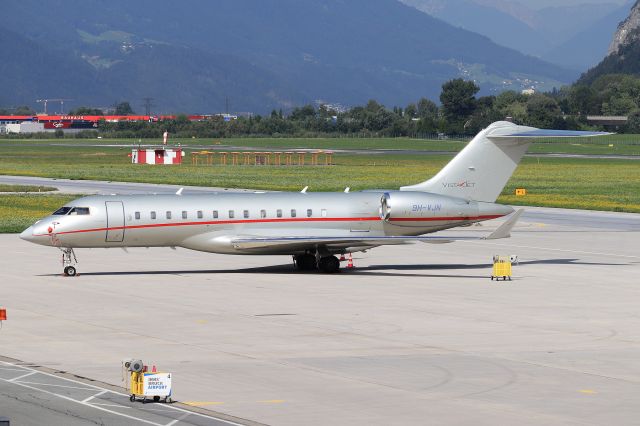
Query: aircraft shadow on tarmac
[381,270]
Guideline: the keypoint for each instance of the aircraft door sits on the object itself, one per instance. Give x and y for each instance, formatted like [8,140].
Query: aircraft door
[115,221]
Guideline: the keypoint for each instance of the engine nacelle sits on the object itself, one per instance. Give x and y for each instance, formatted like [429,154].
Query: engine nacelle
[416,209]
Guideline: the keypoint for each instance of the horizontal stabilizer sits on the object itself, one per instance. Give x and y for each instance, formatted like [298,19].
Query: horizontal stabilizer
[544,133]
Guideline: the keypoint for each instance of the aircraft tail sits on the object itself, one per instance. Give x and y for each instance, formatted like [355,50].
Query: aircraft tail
[482,169]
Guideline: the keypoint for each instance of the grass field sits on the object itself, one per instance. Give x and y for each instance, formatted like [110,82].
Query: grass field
[19,211]
[622,144]
[25,188]
[598,184]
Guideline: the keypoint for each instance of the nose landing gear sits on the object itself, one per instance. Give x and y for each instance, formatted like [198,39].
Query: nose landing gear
[69,261]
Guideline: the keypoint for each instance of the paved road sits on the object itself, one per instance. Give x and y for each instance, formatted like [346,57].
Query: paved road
[31,396]
[104,187]
[586,219]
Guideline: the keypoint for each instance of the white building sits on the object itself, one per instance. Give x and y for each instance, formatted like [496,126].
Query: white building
[24,127]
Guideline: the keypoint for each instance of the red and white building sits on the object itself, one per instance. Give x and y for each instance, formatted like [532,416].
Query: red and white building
[157,156]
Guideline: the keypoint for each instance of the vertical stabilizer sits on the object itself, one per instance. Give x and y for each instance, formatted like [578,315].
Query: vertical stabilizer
[482,169]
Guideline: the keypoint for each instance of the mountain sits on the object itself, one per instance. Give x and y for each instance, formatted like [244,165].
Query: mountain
[548,32]
[260,54]
[624,51]
[585,49]
[497,24]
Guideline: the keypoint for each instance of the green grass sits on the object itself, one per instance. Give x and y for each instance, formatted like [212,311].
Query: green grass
[622,144]
[598,184]
[19,211]
[25,188]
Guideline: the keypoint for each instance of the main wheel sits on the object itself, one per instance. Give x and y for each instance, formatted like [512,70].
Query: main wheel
[70,271]
[329,264]
[305,262]
[132,398]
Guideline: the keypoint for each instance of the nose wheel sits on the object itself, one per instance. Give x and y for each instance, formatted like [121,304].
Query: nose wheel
[69,262]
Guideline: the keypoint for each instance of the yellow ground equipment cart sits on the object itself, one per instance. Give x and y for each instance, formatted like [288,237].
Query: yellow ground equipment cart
[501,268]
[144,385]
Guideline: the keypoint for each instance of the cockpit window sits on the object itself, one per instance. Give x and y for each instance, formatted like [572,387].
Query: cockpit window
[79,211]
[62,211]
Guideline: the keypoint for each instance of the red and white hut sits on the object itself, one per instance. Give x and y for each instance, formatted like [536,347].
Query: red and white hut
[157,156]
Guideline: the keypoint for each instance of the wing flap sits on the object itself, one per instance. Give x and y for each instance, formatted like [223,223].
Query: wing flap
[352,241]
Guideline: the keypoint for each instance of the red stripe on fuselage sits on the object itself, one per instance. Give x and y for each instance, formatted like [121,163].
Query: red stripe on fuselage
[235,222]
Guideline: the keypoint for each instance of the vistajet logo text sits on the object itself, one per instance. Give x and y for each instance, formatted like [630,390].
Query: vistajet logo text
[463,184]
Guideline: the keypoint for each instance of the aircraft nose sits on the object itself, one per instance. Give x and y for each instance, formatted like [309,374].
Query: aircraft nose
[27,234]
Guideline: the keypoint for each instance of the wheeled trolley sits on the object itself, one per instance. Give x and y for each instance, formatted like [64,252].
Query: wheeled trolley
[147,387]
[501,268]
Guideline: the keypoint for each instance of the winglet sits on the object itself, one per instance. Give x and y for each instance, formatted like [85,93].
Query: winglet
[304,190]
[504,230]
[180,191]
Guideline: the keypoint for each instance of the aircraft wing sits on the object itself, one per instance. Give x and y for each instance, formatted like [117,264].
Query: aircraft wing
[355,241]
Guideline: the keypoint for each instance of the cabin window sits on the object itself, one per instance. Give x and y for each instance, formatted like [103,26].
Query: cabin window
[231,214]
[215,214]
[263,214]
[294,213]
[279,212]
[153,215]
[62,211]
[323,212]
[137,215]
[184,214]
[168,215]
[246,214]
[309,212]
[79,211]
[200,215]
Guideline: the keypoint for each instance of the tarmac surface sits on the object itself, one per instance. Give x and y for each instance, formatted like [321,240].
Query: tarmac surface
[413,335]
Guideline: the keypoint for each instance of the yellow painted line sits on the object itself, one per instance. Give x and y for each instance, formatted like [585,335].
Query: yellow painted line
[273,401]
[588,391]
[202,321]
[202,403]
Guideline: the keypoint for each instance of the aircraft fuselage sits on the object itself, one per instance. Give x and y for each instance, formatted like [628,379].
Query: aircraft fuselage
[206,222]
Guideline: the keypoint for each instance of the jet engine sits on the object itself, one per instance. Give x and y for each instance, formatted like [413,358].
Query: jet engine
[415,209]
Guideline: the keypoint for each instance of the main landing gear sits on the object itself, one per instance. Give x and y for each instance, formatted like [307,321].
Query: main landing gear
[309,262]
[69,262]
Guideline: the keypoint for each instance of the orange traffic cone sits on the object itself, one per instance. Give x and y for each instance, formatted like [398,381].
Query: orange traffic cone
[342,258]
[350,264]
[153,370]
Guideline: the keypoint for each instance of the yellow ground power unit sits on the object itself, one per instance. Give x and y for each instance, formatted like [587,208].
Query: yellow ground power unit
[147,386]
[501,268]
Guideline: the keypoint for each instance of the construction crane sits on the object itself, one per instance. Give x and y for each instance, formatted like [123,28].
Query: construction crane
[46,101]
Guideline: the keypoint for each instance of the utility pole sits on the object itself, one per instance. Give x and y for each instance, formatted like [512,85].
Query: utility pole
[148,103]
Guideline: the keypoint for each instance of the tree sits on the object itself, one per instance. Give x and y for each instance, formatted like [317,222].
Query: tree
[633,125]
[458,102]
[83,110]
[542,111]
[124,108]
[21,110]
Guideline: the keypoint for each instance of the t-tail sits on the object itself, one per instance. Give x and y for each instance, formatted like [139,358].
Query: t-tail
[482,169]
